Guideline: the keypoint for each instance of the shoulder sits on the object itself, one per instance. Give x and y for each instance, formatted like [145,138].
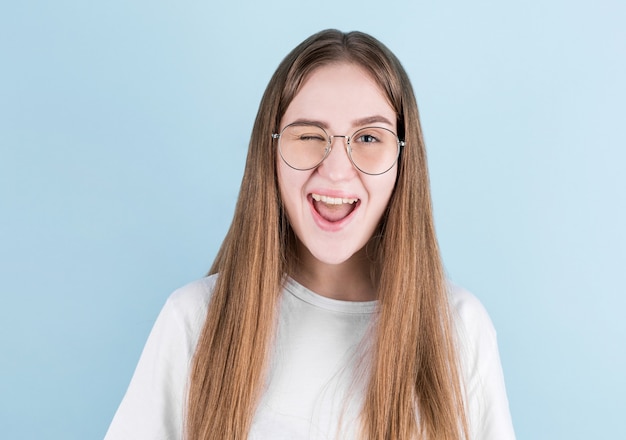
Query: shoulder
[188,304]
[468,313]
[192,295]
[476,336]
[487,403]
[152,406]
[463,301]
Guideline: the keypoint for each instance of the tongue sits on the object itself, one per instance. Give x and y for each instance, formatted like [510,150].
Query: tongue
[333,213]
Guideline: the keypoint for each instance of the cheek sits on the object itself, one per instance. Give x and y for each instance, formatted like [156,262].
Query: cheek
[290,184]
[381,187]
[283,180]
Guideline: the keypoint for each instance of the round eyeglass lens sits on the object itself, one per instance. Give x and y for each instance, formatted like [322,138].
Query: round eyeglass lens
[374,150]
[303,146]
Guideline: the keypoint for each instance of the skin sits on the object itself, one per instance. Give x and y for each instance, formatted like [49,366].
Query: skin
[332,258]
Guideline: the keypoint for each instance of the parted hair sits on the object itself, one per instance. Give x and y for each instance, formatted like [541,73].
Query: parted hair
[414,388]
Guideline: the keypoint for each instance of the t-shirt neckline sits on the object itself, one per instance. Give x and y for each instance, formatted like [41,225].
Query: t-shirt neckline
[335,305]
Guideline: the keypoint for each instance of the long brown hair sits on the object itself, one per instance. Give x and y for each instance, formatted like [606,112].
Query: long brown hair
[414,388]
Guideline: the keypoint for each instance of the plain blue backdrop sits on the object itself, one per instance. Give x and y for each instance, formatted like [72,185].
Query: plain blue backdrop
[123,133]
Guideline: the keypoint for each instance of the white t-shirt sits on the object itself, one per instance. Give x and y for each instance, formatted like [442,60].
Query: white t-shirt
[317,373]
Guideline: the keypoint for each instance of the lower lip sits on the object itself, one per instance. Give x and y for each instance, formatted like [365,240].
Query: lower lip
[324,224]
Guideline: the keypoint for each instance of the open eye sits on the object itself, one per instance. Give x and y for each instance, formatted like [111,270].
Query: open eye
[366,138]
[370,135]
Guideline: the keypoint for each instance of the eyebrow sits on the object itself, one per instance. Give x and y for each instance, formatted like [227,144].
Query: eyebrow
[375,119]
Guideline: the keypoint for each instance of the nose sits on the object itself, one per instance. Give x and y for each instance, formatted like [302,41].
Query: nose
[337,166]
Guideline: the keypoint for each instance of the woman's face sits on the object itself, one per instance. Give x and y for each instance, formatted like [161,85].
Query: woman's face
[334,208]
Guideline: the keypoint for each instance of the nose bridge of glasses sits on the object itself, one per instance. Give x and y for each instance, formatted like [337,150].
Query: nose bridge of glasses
[345,143]
[345,139]
[342,159]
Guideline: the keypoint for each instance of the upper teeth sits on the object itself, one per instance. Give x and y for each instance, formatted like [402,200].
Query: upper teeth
[332,200]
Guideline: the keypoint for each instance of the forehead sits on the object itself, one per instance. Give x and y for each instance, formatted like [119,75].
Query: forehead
[338,95]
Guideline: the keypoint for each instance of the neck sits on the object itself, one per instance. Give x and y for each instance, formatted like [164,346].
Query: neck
[347,281]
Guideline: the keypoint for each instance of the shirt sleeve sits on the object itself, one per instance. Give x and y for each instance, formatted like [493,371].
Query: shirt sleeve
[486,398]
[153,406]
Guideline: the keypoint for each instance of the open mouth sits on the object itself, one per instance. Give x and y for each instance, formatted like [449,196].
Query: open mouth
[333,209]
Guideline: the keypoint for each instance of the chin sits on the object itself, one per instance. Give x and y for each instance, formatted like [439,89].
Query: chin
[333,259]
[334,256]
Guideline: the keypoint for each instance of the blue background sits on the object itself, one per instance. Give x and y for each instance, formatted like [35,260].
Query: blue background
[123,132]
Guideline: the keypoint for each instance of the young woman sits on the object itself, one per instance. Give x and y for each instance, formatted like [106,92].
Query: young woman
[326,314]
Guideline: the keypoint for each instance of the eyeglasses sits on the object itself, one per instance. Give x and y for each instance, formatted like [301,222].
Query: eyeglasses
[372,150]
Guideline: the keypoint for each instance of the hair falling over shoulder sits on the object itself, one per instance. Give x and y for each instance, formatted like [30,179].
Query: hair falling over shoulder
[415,389]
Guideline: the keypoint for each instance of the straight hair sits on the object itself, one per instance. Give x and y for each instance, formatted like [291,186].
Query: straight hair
[414,388]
